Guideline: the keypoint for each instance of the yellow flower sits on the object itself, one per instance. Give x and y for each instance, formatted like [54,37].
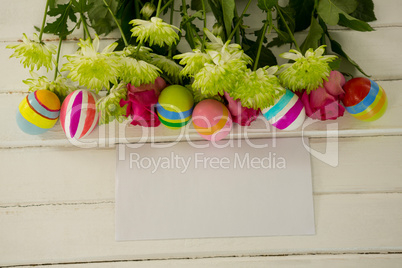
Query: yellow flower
[155,31]
[92,69]
[109,105]
[59,86]
[137,72]
[308,71]
[193,61]
[34,53]
[258,89]
[168,66]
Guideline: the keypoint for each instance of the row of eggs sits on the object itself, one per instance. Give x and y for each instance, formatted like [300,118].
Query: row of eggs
[40,110]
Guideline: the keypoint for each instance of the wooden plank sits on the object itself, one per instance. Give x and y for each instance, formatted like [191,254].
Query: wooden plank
[346,223]
[57,175]
[108,135]
[308,261]
[369,164]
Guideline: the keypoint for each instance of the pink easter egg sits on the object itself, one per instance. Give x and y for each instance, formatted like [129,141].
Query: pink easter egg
[78,115]
[212,120]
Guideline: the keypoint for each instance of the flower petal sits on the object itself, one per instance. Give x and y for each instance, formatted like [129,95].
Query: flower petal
[335,83]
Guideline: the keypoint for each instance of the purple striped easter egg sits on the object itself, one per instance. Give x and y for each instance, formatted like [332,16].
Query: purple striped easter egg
[287,113]
[78,115]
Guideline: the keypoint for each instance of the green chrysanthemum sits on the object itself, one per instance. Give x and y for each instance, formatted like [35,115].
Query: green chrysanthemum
[168,66]
[156,31]
[217,44]
[34,53]
[222,74]
[193,61]
[137,72]
[308,71]
[143,53]
[59,86]
[258,89]
[91,68]
[109,106]
[198,96]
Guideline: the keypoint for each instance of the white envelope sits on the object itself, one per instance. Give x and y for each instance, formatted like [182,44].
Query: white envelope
[257,187]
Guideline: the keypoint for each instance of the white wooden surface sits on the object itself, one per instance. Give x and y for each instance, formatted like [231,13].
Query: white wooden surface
[57,200]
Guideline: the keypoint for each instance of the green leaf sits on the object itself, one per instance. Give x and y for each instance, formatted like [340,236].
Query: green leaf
[337,48]
[101,19]
[302,13]
[216,10]
[352,23]
[126,12]
[346,5]
[289,16]
[59,26]
[332,15]
[314,35]
[266,57]
[82,6]
[267,5]
[197,5]
[334,65]
[190,30]
[364,11]
[228,8]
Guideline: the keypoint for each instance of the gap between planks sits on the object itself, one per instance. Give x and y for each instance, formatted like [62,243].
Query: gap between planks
[322,254]
[112,202]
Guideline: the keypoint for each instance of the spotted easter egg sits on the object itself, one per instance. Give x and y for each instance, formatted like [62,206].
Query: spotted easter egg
[78,115]
[212,120]
[38,112]
[287,113]
[175,106]
[364,99]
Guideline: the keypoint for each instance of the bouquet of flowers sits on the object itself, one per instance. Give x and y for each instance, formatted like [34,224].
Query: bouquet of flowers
[224,63]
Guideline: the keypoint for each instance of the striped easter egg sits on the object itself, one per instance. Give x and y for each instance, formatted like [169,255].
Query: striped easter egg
[175,106]
[78,115]
[38,112]
[364,99]
[212,120]
[287,113]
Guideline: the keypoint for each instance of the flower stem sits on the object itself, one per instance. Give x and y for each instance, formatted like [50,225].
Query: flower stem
[117,23]
[84,24]
[287,27]
[138,47]
[239,21]
[261,38]
[137,9]
[44,21]
[171,22]
[56,70]
[165,6]
[158,10]
[204,36]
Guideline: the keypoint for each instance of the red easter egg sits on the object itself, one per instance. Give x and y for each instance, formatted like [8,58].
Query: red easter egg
[364,99]
[356,90]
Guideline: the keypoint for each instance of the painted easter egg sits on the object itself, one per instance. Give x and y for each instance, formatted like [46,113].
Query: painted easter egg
[287,113]
[212,120]
[364,99]
[175,106]
[78,115]
[38,112]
